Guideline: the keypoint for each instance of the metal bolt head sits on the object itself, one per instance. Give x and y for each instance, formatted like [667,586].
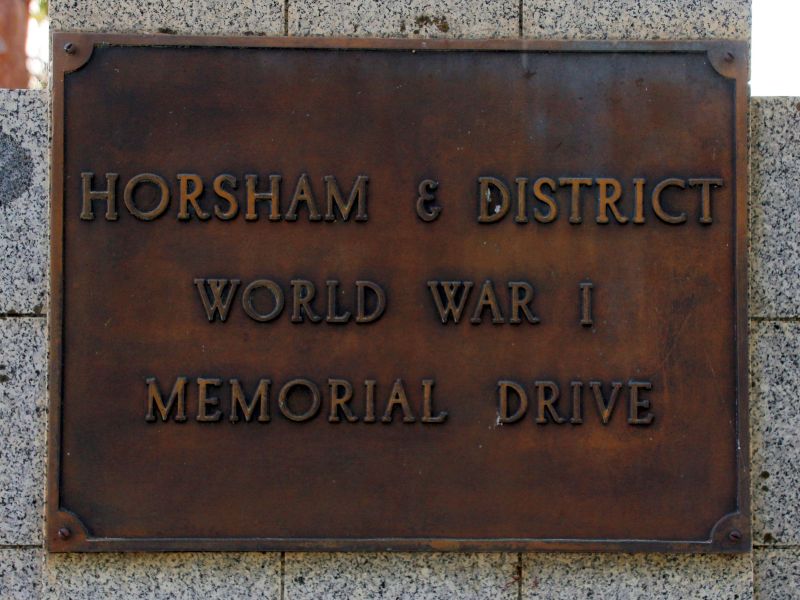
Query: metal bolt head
[69,48]
[729,57]
[735,535]
[64,533]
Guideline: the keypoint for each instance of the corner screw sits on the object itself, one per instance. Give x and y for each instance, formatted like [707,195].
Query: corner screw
[69,48]
[729,57]
[64,533]
[735,535]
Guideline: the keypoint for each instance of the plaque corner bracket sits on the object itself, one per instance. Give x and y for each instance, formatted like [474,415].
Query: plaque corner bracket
[731,533]
[66,531]
[729,59]
[71,51]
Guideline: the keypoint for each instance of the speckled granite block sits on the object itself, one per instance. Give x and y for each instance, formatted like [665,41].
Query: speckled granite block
[405,18]
[645,576]
[202,17]
[777,574]
[775,432]
[23,408]
[24,216]
[775,207]
[173,576]
[20,573]
[400,576]
[636,19]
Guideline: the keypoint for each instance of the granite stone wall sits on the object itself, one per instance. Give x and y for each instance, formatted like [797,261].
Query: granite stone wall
[772,571]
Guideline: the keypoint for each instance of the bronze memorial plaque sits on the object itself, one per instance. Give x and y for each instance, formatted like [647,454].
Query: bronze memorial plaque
[315,294]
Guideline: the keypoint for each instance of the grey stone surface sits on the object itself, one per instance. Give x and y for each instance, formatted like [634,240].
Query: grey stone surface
[173,576]
[401,576]
[405,18]
[24,189]
[636,19]
[777,574]
[775,283]
[20,573]
[775,205]
[645,576]
[23,410]
[206,17]
[775,432]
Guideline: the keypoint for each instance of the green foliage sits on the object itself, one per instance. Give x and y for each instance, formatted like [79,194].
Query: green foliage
[39,10]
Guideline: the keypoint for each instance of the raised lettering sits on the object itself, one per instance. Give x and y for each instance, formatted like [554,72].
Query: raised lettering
[426,195]
[576,418]
[361,302]
[503,416]
[303,292]
[586,303]
[109,195]
[189,197]
[217,305]
[521,301]
[608,200]
[485,200]
[283,400]
[541,196]
[369,401]
[522,200]
[303,193]
[657,206]
[239,401]
[427,404]
[277,299]
[220,182]
[272,196]
[163,190]
[486,299]
[341,394]
[636,403]
[605,407]
[204,401]
[177,400]
[547,395]
[454,308]
[332,317]
[357,197]
[638,210]
[398,398]
[575,208]
[705,184]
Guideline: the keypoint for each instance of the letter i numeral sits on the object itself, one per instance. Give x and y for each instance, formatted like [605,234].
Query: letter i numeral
[586,304]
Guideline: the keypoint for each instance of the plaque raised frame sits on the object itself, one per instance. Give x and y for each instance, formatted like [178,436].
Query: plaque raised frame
[668,299]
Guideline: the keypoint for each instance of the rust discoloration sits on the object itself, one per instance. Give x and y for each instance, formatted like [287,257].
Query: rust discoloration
[361,193]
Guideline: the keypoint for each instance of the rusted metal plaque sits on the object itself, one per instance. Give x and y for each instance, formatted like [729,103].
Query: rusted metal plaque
[395,294]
